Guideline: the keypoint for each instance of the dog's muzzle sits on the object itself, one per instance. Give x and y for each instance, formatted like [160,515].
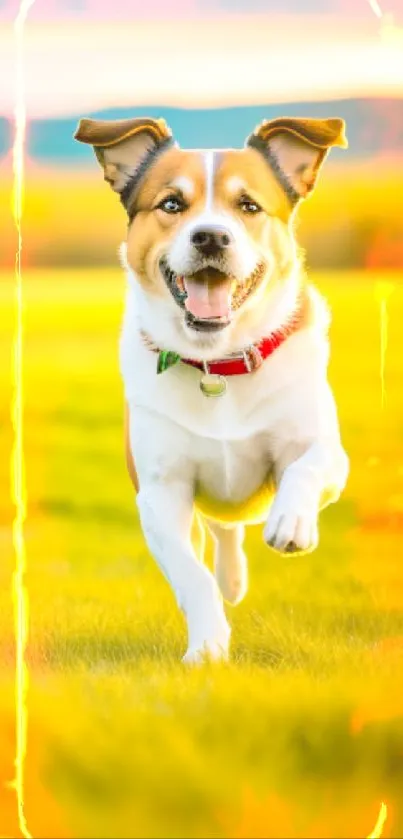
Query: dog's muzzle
[213,295]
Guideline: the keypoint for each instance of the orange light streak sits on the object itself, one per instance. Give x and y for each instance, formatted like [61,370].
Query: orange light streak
[380,823]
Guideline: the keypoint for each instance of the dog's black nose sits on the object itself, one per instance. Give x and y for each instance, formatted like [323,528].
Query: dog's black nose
[210,241]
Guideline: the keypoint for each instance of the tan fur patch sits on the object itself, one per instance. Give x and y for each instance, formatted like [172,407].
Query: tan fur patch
[248,166]
[151,228]
[129,457]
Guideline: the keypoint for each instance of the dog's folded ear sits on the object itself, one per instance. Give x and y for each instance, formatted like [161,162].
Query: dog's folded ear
[124,147]
[296,148]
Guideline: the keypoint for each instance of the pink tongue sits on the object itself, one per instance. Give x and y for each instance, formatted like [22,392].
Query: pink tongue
[208,300]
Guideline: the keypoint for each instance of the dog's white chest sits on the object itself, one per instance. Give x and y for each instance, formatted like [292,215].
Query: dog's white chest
[234,479]
[232,470]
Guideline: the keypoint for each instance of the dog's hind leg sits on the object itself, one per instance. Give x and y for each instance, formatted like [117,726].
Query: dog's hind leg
[230,563]
[198,537]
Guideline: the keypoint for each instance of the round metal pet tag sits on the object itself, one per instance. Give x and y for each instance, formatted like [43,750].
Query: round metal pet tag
[211,384]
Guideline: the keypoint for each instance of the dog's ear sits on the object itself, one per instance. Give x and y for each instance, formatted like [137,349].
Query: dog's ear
[296,148]
[124,147]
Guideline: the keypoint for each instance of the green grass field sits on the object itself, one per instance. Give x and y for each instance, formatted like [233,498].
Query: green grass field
[301,735]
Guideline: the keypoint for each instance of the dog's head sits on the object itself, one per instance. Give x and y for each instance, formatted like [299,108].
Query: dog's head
[207,229]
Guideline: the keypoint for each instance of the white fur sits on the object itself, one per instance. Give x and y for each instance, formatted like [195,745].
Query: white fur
[236,185]
[209,167]
[185,184]
[280,420]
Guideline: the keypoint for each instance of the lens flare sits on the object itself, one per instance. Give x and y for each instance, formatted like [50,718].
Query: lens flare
[390,33]
[20,596]
[383,290]
[380,824]
[375,8]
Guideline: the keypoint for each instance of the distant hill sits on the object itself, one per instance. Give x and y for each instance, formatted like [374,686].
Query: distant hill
[5,136]
[373,125]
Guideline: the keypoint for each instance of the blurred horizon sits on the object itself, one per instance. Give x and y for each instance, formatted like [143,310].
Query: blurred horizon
[374,126]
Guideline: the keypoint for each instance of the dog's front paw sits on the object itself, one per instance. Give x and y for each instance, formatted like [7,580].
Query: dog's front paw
[292,530]
[208,639]
[205,653]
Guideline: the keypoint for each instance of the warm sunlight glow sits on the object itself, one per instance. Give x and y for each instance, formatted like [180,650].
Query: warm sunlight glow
[371,62]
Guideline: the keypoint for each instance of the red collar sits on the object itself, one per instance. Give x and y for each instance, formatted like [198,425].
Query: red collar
[249,359]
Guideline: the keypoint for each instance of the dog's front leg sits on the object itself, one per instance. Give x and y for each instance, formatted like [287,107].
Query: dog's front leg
[305,486]
[165,474]
[166,515]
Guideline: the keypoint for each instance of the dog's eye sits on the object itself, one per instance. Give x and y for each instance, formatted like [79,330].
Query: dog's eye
[249,206]
[172,204]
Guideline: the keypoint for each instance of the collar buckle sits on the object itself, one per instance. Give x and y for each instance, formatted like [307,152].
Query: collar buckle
[253,358]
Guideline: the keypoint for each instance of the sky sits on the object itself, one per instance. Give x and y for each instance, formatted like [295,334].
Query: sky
[84,55]
[127,9]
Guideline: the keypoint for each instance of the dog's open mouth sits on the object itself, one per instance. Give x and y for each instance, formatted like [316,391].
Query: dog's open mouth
[210,296]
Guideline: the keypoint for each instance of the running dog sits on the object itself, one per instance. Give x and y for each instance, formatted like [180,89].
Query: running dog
[224,353]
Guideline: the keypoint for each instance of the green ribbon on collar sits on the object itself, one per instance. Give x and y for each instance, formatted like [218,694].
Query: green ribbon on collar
[166,359]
